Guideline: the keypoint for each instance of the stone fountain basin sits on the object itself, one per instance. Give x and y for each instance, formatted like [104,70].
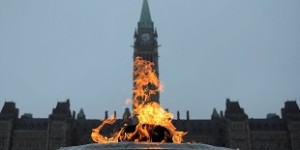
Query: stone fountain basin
[132,145]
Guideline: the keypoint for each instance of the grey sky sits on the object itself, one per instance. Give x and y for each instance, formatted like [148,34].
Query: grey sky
[245,50]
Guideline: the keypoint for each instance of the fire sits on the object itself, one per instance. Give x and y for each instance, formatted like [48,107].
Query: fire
[146,82]
[154,123]
[100,138]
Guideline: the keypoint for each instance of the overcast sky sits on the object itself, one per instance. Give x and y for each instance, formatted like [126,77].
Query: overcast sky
[248,51]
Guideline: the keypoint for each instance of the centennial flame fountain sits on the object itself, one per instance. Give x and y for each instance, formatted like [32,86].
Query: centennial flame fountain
[154,123]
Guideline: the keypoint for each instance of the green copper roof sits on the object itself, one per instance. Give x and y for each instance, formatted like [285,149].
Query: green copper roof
[81,113]
[215,113]
[145,20]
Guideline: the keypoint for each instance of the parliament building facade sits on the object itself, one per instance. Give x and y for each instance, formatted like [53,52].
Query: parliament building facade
[232,129]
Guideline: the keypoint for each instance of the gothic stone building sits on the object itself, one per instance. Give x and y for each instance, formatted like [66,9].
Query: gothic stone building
[233,129]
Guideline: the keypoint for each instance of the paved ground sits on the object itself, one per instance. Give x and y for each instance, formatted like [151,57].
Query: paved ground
[130,145]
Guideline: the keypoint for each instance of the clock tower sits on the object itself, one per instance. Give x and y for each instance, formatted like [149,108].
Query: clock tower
[145,43]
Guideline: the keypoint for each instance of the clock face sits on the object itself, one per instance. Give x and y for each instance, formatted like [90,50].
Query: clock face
[145,37]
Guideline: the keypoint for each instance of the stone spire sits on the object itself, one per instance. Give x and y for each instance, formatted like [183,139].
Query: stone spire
[81,114]
[126,114]
[145,19]
[215,114]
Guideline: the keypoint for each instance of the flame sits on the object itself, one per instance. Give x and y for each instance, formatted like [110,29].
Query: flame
[97,137]
[153,120]
[146,82]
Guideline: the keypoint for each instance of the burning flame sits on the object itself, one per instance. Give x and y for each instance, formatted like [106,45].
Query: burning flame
[154,123]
